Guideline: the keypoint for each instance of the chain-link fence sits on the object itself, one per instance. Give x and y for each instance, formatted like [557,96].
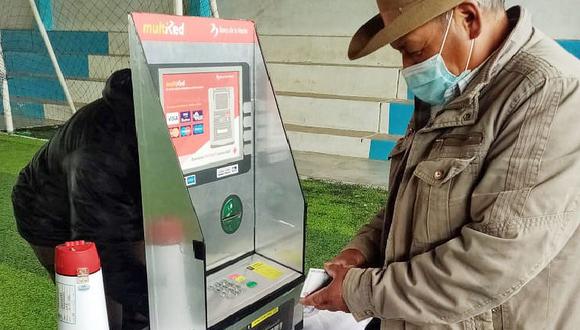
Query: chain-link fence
[89,41]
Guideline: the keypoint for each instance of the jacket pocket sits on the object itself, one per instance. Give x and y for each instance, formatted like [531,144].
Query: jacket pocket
[457,145]
[438,212]
[497,315]
[479,322]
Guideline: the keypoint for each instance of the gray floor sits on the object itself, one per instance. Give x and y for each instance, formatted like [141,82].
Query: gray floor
[325,320]
[342,169]
[27,122]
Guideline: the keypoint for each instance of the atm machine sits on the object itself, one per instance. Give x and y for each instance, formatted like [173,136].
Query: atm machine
[224,213]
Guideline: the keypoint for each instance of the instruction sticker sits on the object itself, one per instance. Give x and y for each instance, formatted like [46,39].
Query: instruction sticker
[265,270]
[66,303]
[190,180]
[227,171]
[264,317]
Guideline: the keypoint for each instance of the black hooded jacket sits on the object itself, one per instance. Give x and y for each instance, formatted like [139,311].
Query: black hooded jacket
[84,183]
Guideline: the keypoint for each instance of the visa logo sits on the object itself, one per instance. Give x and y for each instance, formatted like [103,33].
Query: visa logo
[172,118]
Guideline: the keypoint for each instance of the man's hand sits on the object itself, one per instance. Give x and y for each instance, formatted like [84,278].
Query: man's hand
[348,258]
[330,298]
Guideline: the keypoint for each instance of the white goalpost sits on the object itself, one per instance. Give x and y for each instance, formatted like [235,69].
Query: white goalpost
[55,56]
[51,54]
[5,95]
[178,7]
[214,8]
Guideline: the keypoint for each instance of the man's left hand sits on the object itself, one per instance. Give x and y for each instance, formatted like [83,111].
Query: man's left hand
[330,298]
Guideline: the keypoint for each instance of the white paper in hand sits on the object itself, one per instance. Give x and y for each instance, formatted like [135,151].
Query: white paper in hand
[315,280]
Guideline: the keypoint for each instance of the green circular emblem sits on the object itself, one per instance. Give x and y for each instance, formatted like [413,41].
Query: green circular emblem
[231,214]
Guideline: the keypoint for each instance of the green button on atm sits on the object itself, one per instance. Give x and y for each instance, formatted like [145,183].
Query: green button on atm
[231,214]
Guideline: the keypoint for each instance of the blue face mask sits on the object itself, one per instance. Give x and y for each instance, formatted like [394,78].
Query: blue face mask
[431,81]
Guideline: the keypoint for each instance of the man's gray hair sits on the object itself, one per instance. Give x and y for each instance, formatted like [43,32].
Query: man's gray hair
[492,4]
[495,6]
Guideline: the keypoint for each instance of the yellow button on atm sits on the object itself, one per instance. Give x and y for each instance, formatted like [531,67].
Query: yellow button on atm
[240,279]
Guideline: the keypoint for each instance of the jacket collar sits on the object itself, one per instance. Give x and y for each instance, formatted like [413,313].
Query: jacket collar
[464,109]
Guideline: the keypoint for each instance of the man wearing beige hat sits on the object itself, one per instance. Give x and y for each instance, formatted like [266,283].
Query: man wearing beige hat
[480,230]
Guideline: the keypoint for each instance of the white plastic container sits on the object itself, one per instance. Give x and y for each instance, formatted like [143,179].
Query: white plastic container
[80,291]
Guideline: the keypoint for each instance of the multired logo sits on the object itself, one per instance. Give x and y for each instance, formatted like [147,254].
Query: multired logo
[175,83]
[165,28]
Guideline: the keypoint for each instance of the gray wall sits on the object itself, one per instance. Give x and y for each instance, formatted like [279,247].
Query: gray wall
[15,14]
[321,92]
[559,19]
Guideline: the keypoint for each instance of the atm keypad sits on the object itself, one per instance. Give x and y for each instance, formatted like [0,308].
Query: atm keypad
[226,289]
[232,286]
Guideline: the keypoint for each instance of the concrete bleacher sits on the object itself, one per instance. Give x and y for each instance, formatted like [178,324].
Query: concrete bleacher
[356,108]
[329,104]
[34,89]
[90,42]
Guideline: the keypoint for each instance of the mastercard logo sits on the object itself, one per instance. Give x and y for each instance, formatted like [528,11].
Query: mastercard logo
[174,132]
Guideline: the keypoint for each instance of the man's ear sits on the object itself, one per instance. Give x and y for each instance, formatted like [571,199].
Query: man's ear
[469,15]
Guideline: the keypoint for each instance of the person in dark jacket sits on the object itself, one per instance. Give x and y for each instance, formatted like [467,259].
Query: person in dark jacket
[84,184]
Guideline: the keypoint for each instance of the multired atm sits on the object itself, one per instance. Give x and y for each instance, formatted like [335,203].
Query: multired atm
[224,212]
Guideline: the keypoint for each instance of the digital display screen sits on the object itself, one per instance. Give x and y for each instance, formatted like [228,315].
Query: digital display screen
[202,108]
[222,100]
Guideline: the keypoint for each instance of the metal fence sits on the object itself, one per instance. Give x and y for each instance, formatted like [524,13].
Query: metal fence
[55,55]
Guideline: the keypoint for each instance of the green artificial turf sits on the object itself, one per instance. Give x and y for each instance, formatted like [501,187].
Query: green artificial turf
[335,214]
[27,296]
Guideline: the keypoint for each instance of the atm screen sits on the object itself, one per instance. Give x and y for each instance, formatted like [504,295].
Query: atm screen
[202,107]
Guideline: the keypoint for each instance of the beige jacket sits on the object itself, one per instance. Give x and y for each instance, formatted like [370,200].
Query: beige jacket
[481,227]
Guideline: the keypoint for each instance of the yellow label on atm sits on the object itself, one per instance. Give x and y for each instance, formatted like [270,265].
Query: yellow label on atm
[265,270]
[265,317]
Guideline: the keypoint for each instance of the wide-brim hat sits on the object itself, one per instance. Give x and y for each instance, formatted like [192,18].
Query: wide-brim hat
[396,18]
